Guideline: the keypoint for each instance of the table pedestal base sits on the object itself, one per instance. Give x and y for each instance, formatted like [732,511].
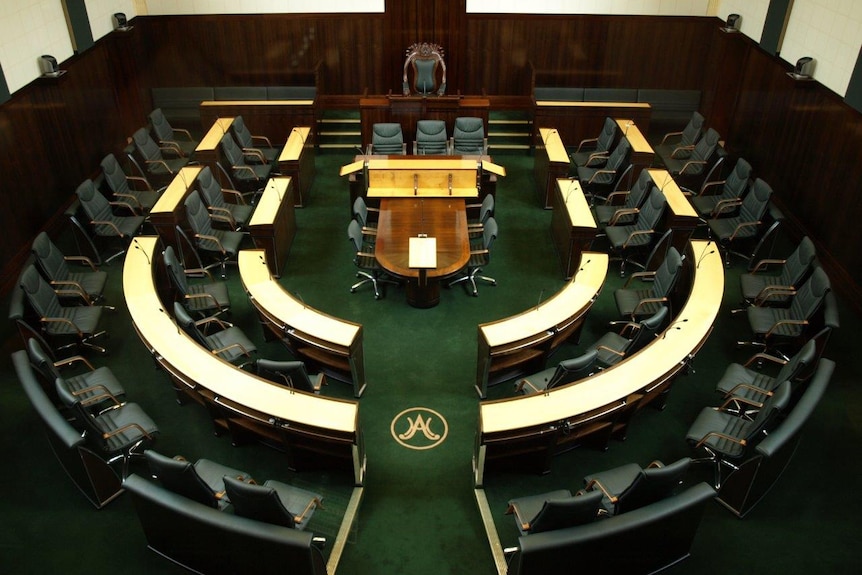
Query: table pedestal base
[423,296]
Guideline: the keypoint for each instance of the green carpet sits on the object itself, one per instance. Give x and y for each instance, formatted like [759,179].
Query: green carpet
[419,515]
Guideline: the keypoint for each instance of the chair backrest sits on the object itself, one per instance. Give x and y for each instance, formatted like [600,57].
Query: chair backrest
[146,146]
[231,150]
[774,404]
[161,127]
[42,298]
[640,189]
[468,135]
[431,137]
[619,156]
[692,131]
[95,205]
[572,369]
[810,295]
[354,234]
[651,211]
[667,273]
[257,502]
[804,357]
[798,263]
[179,476]
[387,138]
[50,260]
[175,270]
[486,209]
[755,202]
[705,148]
[114,174]
[197,215]
[210,188]
[737,181]
[648,327]
[489,232]
[360,210]
[653,484]
[42,362]
[185,321]
[567,512]
[289,373]
[607,136]
[242,133]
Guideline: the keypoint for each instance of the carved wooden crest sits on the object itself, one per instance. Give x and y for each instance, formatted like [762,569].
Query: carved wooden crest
[424,58]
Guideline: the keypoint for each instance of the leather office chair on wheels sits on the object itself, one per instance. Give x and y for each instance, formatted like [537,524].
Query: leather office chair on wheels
[167,134]
[234,216]
[259,149]
[480,256]
[368,268]
[226,341]
[387,139]
[87,285]
[135,190]
[594,152]
[223,244]
[431,138]
[468,136]
[679,145]
[102,219]
[202,481]
[204,298]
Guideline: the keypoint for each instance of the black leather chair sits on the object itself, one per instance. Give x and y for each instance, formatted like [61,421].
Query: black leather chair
[555,510]
[387,139]
[564,373]
[638,302]
[630,487]
[227,341]
[88,286]
[259,149]
[204,298]
[202,481]
[273,502]
[290,374]
[594,152]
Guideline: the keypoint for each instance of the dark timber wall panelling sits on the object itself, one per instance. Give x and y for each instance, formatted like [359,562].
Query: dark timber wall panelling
[801,137]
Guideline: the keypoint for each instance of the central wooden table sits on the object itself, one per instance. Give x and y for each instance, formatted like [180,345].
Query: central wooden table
[441,218]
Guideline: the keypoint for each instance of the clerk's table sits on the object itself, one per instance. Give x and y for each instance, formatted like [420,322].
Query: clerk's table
[443,219]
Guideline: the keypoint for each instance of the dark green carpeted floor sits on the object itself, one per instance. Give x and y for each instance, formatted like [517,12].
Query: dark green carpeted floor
[419,514]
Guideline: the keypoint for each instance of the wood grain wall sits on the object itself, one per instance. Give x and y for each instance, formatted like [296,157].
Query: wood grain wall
[801,138]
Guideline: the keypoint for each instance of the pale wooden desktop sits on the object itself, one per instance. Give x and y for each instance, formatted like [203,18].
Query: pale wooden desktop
[551,162]
[273,224]
[297,161]
[183,357]
[573,227]
[572,301]
[287,311]
[680,215]
[661,359]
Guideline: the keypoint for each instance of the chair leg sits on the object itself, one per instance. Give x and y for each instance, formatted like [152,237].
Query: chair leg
[471,276]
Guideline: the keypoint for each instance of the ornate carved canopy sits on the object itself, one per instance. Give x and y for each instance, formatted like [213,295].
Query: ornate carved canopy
[424,58]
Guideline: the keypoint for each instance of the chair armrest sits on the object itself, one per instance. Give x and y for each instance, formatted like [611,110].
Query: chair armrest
[613,351]
[236,194]
[680,149]
[643,276]
[96,398]
[595,483]
[130,198]
[600,172]
[691,163]
[778,324]
[137,426]
[106,223]
[720,435]
[222,215]
[254,153]
[646,301]
[263,139]
[315,502]
[597,156]
[740,386]
[764,356]
[723,206]
[622,213]
[670,135]
[242,349]
[612,197]
[82,259]
[246,169]
[207,296]
[74,359]
[773,292]
[708,186]
[764,263]
[196,272]
[637,233]
[208,320]
[587,142]
[171,148]
[62,320]
[752,403]
[183,131]
[519,386]
[212,239]
[742,226]
[125,205]
[139,180]
[162,162]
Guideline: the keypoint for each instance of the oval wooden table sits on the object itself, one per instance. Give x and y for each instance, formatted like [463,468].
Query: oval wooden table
[442,218]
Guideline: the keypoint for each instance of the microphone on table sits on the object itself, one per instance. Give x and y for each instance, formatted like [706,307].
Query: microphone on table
[415,184]
[704,253]
[674,326]
[450,184]
[143,251]
[583,265]
[299,296]
[629,124]
[538,303]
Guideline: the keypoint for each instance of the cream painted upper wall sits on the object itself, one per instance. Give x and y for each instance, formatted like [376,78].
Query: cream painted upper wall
[28,29]
[101,12]
[628,7]
[157,7]
[830,31]
[752,15]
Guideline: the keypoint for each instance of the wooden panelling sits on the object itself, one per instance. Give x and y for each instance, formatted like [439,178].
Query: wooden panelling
[800,137]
